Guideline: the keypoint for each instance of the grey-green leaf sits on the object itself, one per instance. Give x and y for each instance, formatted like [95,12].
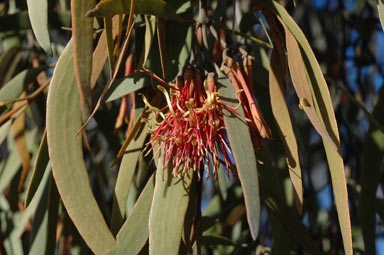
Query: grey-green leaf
[243,152]
[38,14]
[65,150]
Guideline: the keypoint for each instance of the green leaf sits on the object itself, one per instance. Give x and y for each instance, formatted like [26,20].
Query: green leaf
[324,108]
[99,56]
[124,179]
[124,86]
[150,26]
[65,149]
[4,130]
[134,233]
[303,89]
[82,32]
[243,153]
[43,236]
[380,9]
[9,170]
[41,163]
[20,21]
[162,45]
[216,240]
[38,14]
[108,8]
[284,126]
[13,89]
[169,206]
[292,223]
[371,169]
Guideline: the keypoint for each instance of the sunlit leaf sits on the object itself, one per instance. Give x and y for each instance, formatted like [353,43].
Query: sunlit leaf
[284,126]
[38,14]
[65,149]
[324,108]
[243,153]
[380,8]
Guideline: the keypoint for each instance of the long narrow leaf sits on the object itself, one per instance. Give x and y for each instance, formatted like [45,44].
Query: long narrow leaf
[65,150]
[243,152]
[324,108]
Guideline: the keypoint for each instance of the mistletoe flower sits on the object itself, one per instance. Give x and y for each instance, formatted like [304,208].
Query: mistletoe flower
[190,129]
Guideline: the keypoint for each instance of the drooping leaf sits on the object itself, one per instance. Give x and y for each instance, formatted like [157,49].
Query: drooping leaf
[109,38]
[41,163]
[290,221]
[20,21]
[124,179]
[100,54]
[9,170]
[162,45]
[169,206]
[243,153]
[150,26]
[150,7]
[134,233]
[65,149]
[284,126]
[303,89]
[371,169]
[325,110]
[82,32]
[38,14]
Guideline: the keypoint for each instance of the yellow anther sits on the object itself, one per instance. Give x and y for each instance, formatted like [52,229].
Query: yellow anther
[165,92]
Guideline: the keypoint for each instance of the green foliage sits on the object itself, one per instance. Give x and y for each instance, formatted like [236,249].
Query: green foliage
[164,149]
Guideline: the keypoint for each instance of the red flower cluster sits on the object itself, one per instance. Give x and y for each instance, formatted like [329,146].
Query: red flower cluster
[191,132]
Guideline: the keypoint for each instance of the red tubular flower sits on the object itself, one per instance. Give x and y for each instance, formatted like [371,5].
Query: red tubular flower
[240,75]
[191,132]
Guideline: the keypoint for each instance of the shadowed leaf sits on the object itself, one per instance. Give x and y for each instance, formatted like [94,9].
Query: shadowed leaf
[82,32]
[150,7]
[169,206]
[371,169]
[13,89]
[134,233]
[124,179]
[41,163]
